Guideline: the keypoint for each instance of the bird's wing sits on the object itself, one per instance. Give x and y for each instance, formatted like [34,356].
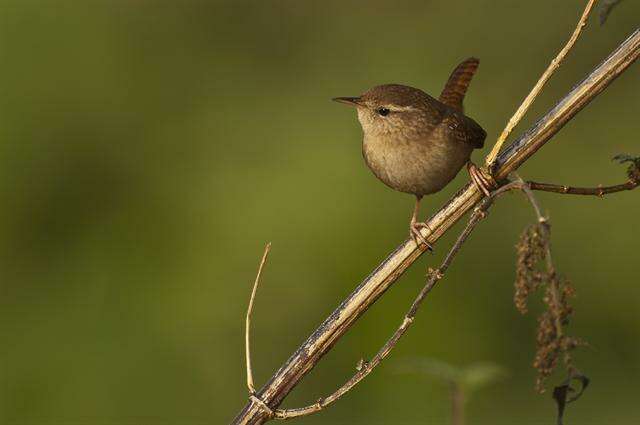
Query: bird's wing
[464,129]
[456,87]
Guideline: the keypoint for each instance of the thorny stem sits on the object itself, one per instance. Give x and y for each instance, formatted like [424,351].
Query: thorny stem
[551,69]
[365,368]
[258,409]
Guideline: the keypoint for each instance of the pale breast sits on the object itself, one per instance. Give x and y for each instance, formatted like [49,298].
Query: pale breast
[419,167]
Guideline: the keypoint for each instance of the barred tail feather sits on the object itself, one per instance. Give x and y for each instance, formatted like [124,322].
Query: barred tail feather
[456,87]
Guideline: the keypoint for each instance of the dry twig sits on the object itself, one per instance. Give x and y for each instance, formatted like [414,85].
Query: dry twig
[594,191]
[526,103]
[247,338]
[633,173]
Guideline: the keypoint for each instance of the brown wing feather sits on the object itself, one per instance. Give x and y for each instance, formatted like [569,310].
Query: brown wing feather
[464,129]
[456,87]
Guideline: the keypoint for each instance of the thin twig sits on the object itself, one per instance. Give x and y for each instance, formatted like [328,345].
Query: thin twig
[521,185]
[595,191]
[247,338]
[551,69]
[365,368]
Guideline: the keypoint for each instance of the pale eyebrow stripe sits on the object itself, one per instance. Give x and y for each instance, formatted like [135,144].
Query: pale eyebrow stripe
[400,108]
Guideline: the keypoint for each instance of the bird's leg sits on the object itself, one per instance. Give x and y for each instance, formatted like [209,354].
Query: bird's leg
[483,181]
[415,226]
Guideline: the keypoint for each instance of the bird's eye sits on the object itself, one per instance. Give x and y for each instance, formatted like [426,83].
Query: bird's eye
[383,111]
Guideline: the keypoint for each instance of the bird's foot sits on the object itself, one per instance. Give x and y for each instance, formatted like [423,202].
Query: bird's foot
[481,179]
[416,235]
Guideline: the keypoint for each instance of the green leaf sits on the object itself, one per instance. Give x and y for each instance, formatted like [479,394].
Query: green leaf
[432,368]
[478,375]
[470,378]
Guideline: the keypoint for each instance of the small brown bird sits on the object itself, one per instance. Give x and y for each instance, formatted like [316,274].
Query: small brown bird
[417,144]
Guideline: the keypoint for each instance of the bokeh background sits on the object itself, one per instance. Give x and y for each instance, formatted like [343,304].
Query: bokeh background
[151,148]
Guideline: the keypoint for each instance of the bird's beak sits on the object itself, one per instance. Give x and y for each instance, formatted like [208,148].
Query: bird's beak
[353,101]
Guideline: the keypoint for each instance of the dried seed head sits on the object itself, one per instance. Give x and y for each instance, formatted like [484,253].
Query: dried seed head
[533,271]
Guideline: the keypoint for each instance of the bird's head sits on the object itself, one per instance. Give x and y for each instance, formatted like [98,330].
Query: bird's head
[390,109]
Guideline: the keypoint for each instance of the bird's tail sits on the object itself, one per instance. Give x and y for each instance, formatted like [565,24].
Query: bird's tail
[456,87]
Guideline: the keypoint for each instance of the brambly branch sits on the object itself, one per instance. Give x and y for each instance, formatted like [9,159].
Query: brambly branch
[263,405]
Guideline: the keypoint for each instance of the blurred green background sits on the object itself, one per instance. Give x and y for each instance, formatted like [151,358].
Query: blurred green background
[151,148]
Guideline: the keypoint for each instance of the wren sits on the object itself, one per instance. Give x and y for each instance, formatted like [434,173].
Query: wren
[415,143]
